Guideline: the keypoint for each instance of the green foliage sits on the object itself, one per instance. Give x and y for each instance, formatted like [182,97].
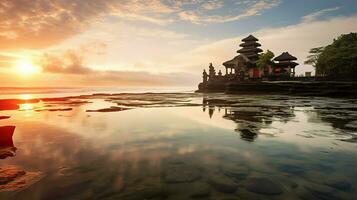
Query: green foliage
[339,59]
[265,59]
[314,56]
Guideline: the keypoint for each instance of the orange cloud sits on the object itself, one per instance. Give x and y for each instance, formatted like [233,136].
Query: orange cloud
[69,63]
[72,64]
[5,60]
[42,23]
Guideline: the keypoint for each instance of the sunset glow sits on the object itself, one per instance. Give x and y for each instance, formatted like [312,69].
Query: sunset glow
[26,67]
[26,96]
[159,43]
[178,99]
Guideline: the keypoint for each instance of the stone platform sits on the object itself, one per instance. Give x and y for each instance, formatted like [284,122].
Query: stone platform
[299,88]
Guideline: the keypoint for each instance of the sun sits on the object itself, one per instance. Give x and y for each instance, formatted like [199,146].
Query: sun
[26,67]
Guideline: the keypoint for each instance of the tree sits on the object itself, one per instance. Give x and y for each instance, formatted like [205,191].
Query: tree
[314,56]
[312,59]
[265,59]
[337,60]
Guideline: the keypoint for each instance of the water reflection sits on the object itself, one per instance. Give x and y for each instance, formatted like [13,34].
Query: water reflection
[181,152]
[250,118]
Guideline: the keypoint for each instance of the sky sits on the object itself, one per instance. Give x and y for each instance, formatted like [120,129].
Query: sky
[135,43]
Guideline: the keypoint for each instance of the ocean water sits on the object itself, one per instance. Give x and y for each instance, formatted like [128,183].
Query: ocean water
[179,146]
[40,92]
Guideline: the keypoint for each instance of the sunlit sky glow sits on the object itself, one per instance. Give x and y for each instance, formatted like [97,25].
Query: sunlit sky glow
[153,42]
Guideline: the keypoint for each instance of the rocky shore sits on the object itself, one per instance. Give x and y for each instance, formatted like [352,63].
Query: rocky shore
[314,88]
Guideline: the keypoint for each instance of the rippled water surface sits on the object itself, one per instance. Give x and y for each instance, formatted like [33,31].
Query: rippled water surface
[179,146]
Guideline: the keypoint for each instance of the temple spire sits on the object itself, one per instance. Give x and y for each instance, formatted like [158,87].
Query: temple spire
[250,48]
[212,71]
[205,76]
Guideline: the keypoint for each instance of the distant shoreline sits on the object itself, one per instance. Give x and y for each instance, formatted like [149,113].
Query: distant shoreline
[38,92]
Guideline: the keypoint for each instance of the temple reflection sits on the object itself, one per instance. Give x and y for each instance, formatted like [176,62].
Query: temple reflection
[250,117]
[7,148]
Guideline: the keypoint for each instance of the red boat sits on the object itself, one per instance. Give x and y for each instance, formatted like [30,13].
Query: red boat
[7,148]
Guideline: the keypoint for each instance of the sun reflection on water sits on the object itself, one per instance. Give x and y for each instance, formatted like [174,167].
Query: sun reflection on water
[26,106]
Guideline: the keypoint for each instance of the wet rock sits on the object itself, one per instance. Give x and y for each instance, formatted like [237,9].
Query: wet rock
[338,183]
[72,181]
[235,172]
[4,117]
[263,186]
[291,169]
[149,188]
[351,140]
[111,109]
[321,191]
[54,109]
[306,195]
[352,124]
[67,189]
[222,184]
[200,189]
[55,99]
[14,179]
[7,152]
[244,194]
[9,174]
[180,173]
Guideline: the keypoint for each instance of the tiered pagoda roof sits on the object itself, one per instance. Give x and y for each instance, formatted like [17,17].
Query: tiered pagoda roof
[250,48]
[247,44]
[247,50]
[250,38]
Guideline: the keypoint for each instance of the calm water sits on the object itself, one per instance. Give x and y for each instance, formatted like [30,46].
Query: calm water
[183,146]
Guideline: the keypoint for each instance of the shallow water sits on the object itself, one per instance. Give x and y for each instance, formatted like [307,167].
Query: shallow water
[185,146]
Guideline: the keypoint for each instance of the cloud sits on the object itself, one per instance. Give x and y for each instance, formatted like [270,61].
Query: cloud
[213,5]
[72,63]
[297,39]
[42,23]
[152,32]
[68,63]
[141,78]
[5,60]
[252,10]
[315,15]
[39,24]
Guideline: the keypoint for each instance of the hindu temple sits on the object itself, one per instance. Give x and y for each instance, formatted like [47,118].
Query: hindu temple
[243,67]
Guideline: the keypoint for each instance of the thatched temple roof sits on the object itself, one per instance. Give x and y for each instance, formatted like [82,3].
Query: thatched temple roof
[234,62]
[286,64]
[285,57]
